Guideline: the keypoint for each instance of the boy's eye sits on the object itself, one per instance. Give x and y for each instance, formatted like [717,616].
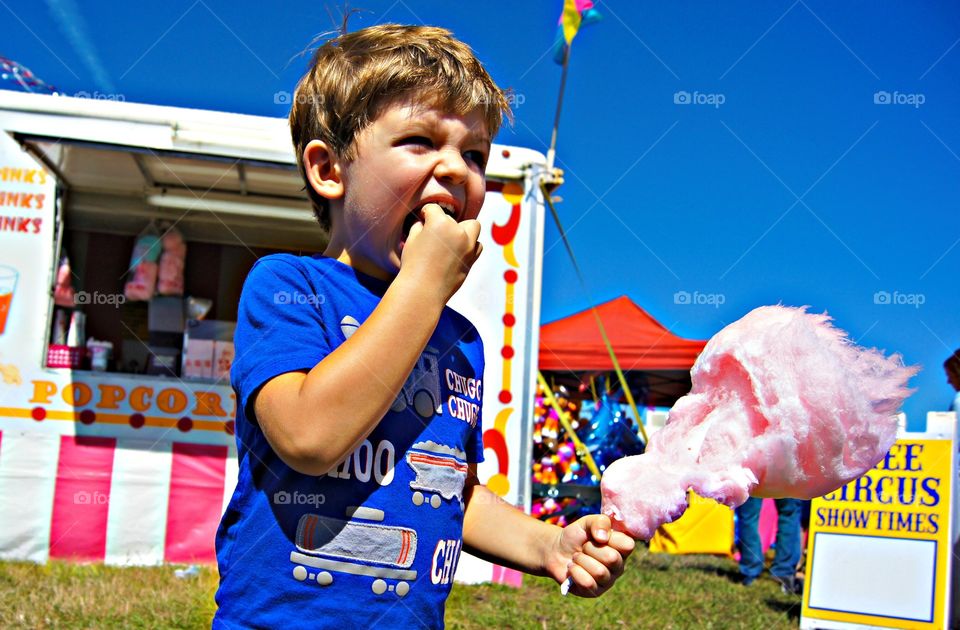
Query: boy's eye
[417,140]
[477,157]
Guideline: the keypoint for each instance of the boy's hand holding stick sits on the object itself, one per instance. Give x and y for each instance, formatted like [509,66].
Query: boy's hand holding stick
[589,556]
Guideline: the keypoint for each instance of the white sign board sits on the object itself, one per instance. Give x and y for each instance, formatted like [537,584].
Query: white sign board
[881,548]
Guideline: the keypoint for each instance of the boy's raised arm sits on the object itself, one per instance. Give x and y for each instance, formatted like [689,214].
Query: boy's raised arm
[315,419]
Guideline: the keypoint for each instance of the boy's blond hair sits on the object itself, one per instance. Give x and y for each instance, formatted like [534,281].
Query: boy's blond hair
[352,77]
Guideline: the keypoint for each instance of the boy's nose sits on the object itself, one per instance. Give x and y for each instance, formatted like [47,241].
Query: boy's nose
[451,167]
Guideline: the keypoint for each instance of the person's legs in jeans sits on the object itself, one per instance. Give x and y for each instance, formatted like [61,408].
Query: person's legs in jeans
[787,547]
[751,553]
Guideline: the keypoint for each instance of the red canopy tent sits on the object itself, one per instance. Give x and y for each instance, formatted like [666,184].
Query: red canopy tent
[655,361]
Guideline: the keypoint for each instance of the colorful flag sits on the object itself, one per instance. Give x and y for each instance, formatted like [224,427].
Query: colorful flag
[575,14]
[14,76]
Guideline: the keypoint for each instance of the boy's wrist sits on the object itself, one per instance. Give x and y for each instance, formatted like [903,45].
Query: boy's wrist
[550,551]
[411,282]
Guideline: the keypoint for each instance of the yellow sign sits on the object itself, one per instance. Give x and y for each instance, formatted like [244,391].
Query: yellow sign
[705,527]
[880,547]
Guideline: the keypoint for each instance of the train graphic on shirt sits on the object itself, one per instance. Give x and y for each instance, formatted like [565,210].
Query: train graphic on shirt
[421,391]
[440,470]
[360,545]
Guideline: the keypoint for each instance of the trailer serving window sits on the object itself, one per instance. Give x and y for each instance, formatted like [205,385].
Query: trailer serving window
[229,211]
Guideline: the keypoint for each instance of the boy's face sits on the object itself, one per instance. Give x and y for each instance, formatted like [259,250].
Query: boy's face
[412,154]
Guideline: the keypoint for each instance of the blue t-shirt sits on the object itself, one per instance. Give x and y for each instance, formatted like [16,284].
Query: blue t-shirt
[375,542]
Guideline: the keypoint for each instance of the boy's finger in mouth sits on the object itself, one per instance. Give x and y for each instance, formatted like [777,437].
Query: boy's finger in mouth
[419,216]
[411,219]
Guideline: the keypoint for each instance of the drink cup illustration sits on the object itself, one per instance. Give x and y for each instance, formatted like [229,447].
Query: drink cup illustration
[8,283]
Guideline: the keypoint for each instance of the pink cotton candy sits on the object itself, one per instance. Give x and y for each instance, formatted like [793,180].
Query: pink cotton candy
[783,404]
[144,282]
[172,262]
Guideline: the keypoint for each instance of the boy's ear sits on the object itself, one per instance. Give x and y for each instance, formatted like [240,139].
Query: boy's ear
[322,167]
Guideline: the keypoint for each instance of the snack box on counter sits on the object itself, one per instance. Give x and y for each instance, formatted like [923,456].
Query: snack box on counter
[208,349]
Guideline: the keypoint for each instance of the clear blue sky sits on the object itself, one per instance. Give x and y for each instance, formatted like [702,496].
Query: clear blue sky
[798,188]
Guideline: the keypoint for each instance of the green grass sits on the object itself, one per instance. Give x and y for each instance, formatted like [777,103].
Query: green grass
[657,591]
[62,595]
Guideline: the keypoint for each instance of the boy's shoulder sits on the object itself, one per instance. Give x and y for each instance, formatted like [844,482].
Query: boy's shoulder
[283,278]
[315,280]
[284,267]
[280,260]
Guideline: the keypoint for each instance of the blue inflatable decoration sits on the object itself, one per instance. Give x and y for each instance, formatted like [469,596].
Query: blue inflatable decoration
[611,434]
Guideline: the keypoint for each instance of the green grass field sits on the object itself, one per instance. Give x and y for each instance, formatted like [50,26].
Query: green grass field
[658,591]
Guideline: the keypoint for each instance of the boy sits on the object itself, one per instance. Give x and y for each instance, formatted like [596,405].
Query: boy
[356,489]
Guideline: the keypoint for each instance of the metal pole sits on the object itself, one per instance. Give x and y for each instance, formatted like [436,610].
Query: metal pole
[552,151]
